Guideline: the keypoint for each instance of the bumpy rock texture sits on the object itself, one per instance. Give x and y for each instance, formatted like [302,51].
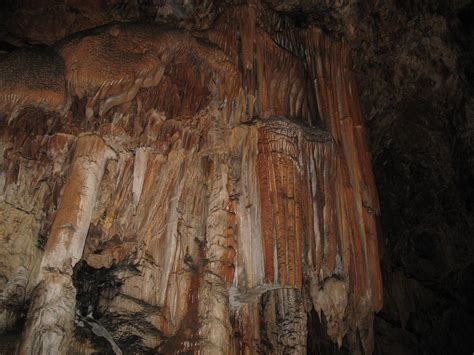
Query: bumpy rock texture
[415,74]
[193,176]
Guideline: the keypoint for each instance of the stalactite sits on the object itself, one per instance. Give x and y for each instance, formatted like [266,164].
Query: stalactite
[240,195]
[339,108]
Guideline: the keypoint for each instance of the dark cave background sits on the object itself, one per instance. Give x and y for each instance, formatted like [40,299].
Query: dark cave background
[416,83]
[414,63]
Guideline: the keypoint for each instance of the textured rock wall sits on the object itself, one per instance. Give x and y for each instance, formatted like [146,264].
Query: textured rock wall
[412,61]
[413,67]
[186,191]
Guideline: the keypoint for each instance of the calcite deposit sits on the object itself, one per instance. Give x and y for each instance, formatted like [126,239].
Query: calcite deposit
[186,191]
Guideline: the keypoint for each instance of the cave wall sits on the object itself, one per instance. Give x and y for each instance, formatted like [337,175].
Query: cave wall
[411,63]
[201,190]
[414,63]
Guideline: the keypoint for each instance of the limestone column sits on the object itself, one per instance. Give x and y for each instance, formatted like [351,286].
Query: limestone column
[50,318]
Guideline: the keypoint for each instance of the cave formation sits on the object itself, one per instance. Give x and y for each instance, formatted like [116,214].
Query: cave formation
[204,177]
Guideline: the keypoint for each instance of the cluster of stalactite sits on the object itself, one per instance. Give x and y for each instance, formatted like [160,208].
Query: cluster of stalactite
[219,179]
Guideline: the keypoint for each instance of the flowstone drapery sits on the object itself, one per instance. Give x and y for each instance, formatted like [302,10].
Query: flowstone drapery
[209,188]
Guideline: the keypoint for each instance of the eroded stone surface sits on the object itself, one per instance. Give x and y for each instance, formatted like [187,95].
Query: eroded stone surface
[221,190]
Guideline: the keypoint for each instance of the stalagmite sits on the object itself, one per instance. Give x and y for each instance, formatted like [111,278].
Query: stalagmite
[238,197]
[51,314]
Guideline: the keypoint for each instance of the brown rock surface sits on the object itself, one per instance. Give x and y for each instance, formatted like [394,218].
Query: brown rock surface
[209,188]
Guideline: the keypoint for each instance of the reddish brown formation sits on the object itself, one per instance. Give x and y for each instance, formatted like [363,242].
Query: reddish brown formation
[284,195]
[330,69]
[225,212]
